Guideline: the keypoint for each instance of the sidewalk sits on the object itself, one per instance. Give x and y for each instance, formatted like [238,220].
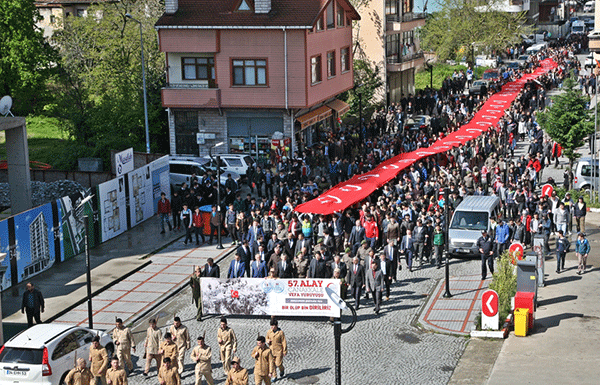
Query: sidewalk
[64,285]
[457,314]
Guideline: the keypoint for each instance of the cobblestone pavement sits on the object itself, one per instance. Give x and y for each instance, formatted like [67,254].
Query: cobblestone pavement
[384,349]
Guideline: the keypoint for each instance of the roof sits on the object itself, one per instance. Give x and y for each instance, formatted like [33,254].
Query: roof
[478,203]
[46,3]
[36,336]
[219,13]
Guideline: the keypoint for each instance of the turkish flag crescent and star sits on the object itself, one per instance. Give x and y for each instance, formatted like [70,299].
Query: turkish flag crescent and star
[356,189]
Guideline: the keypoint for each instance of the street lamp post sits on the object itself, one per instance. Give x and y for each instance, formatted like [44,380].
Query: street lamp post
[88,272]
[144,84]
[219,243]
[447,293]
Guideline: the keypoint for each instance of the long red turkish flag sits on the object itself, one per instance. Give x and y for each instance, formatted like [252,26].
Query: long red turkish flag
[354,190]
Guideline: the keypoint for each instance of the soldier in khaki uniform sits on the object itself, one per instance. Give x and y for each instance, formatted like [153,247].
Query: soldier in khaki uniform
[115,375]
[227,344]
[196,291]
[182,340]
[237,375]
[264,365]
[152,346]
[168,375]
[168,349]
[123,340]
[278,344]
[98,361]
[79,375]
[201,355]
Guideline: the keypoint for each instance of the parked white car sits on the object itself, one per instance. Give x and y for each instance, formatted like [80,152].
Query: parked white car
[181,169]
[235,163]
[45,353]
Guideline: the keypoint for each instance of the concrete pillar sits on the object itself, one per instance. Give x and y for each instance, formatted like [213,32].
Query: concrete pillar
[19,177]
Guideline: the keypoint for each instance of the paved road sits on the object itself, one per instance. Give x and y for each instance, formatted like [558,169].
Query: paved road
[394,351]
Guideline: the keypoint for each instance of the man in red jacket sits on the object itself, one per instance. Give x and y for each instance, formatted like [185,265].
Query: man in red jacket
[371,231]
[164,209]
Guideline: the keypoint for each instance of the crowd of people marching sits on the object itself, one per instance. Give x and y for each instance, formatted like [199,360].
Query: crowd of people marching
[400,226]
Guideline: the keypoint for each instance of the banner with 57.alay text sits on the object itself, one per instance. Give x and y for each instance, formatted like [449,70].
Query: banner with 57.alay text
[273,297]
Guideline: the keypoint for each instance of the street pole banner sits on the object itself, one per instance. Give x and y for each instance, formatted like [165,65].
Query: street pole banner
[278,297]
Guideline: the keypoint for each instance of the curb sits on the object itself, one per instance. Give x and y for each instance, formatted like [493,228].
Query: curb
[500,334]
[169,294]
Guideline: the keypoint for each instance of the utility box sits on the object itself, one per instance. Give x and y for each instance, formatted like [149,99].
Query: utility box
[527,275]
[539,247]
[521,322]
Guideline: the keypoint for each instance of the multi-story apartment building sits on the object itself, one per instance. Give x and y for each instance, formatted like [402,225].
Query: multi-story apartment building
[239,71]
[54,12]
[388,36]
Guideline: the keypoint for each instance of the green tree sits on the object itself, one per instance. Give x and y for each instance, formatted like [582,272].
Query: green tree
[466,27]
[100,84]
[25,57]
[367,80]
[568,121]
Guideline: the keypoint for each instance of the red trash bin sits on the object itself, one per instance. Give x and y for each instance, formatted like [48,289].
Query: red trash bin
[526,300]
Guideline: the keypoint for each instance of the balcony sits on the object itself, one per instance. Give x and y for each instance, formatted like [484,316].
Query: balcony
[397,62]
[185,95]
[405,22]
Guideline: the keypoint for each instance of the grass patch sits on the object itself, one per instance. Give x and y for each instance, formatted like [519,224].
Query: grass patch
[440,72]
[48,142]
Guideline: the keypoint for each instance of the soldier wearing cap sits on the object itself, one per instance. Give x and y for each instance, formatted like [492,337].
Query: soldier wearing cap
[168,374]
[227,344]
[116,375]
[98,361]
[182,340]
[237,375]
[201,355]
[123,340]
[168,349]
[278,344]
[264,365]
[80,375]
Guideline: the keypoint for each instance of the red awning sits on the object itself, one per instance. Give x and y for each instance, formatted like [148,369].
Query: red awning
[314,116]
[359,187]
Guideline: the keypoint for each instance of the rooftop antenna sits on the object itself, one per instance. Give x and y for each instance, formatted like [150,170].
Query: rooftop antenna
[5,105]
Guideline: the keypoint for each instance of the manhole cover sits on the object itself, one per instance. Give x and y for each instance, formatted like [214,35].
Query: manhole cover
[408,337]
[307,380]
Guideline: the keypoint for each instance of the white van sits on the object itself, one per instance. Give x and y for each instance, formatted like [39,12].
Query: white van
[583,174]
[589,7]
[578,27]
[471,217]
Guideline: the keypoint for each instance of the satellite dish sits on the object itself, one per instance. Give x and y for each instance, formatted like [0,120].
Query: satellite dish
[5,105]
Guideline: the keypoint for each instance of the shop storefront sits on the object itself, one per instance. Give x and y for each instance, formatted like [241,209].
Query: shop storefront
[251,133]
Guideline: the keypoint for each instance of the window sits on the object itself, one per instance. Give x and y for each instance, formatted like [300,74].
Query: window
[330,16]
[320,23]
[340,15]
[244,6]
[249,72]
[330,64]
[233,162]
[345,59]
[315,69]
[391,7]
[81,13]
[198,68]
[66,346]
[52,19]
[586,170]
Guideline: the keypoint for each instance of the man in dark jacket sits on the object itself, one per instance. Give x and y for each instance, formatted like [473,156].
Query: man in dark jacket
[318,267]
[485,246]
[176,204]
[33,304]
[211,269]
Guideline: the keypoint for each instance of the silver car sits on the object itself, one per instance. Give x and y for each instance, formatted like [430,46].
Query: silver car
[470,218]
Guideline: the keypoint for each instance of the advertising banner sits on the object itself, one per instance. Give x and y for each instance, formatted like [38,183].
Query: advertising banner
[124,161]
[71,225]
[160,179]
[141,198]
[112,206]
[279,297]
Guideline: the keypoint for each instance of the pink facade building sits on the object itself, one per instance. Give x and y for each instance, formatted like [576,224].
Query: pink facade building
[238,71]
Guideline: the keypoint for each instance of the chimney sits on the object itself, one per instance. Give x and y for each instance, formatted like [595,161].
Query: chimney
[171,6]
[262,6]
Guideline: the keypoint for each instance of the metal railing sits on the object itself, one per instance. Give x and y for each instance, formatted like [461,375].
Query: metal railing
[190,85]
[397,58]
[409,16]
